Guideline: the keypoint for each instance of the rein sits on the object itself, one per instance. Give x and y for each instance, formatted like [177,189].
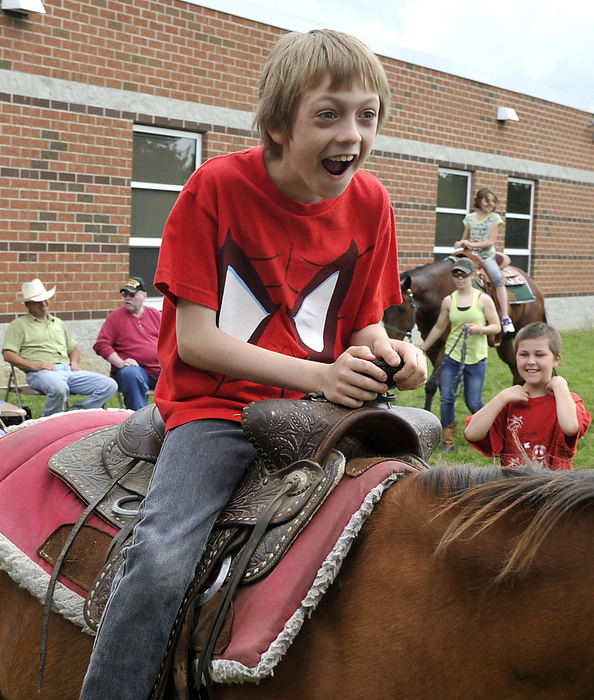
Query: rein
[459,378]
[60,560]
[413,319]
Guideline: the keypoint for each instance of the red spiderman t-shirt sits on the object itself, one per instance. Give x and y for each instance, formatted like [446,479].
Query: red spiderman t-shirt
[295,278]
[540,435]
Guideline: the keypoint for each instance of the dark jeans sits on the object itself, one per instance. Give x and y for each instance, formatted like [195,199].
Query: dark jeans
[134,382]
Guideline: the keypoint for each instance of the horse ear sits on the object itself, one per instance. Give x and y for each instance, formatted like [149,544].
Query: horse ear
[405,282]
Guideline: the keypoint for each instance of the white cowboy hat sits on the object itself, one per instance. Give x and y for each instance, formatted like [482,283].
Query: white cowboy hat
[35,291]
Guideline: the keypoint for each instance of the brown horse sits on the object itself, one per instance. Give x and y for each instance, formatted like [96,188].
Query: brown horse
[423,290]
[465,582]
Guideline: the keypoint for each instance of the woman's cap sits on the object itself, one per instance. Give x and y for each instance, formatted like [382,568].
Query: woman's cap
[464,265]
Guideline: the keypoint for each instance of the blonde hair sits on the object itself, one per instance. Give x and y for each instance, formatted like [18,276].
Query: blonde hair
[298,62]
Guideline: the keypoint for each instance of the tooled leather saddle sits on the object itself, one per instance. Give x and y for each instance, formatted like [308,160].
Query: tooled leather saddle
[304,448]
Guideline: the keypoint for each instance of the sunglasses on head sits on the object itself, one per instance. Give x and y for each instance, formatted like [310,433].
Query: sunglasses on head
[458,274]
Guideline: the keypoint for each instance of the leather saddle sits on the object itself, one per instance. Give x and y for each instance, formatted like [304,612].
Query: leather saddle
[120,459]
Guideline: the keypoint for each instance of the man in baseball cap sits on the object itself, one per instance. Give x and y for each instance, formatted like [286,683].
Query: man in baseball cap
[133,285]
[40,345]
[128,341]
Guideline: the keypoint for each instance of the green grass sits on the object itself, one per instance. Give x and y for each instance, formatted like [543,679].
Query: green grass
[576,354]
[575,366]
[36,403]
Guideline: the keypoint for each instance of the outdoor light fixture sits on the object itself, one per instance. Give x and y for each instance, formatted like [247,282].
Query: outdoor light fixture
[23,7]
[505,114]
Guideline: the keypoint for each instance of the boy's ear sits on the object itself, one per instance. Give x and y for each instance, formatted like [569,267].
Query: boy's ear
[279,137]
[557,360]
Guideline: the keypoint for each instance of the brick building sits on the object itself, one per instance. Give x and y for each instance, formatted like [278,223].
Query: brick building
[107,107]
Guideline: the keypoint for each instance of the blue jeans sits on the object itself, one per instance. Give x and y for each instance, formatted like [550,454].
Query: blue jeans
[473,377]
[197,470]
[134,382]
[58,384]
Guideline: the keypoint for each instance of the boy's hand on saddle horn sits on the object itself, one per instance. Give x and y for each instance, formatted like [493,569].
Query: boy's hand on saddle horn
[409,360]
[353,378]
[360,375]
[389,370]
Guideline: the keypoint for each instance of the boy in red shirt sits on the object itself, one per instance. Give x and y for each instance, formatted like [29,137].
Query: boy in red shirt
[276,265]
[541,421]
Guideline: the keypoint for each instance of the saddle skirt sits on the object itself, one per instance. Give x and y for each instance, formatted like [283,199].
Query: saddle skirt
[90,464]
[268,615]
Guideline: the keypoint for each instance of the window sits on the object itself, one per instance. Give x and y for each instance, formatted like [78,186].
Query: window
[453,202]
[518,221]
[163,159]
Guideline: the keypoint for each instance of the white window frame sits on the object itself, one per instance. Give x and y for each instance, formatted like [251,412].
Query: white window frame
[527,217]
[446,250]
[154,242]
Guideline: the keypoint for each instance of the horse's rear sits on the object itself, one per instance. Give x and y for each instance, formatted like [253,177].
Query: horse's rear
[406,622]
[32,504]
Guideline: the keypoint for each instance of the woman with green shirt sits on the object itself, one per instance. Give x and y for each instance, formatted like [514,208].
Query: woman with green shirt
[466,309]
[481,228]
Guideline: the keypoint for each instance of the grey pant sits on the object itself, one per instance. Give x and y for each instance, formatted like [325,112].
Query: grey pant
[494,271]
[198,468]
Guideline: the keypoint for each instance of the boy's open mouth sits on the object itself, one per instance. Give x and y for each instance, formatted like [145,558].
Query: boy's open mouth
[337,164]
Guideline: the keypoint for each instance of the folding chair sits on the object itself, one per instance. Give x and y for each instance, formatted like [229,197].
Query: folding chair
[22,388]
[18,389]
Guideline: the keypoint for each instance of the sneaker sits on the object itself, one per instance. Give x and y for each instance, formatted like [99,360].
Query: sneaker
[507,325]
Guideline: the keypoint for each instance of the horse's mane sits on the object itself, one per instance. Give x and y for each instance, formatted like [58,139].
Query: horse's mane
[481,496]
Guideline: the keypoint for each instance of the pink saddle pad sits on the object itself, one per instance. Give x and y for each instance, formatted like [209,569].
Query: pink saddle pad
[34,502]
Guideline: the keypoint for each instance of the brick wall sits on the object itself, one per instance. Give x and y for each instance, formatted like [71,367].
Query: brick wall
[74,81]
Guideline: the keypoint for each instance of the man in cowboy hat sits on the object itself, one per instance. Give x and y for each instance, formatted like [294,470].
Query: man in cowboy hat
[128,340]
[40,345]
